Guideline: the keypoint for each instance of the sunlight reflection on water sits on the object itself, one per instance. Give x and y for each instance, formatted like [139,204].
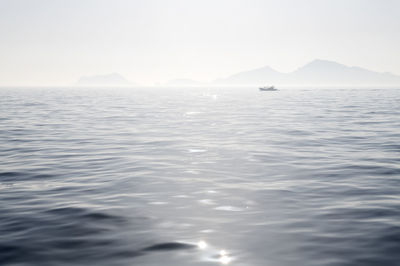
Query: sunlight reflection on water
[114,177]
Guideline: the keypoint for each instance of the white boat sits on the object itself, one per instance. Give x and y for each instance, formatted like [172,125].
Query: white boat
[272,88]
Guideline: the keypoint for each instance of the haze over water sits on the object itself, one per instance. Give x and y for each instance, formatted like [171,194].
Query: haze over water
[199,176]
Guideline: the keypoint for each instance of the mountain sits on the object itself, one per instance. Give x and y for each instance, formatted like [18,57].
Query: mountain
[257,76]
[329,72]
[103,80]
[317,72]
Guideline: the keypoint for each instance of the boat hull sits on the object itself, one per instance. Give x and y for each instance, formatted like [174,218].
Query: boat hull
[267,89]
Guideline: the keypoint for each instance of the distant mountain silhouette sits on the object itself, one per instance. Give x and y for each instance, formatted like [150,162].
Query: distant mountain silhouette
[102,80]
[256,76]
[317,72]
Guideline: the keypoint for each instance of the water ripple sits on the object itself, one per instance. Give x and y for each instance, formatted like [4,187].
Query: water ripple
[205,176]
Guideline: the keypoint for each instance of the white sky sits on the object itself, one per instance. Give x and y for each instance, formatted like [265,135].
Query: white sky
[54,42]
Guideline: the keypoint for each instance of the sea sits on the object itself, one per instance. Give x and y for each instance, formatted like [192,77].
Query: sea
[200,176]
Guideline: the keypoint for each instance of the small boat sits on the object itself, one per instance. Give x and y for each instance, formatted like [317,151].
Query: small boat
[272,88]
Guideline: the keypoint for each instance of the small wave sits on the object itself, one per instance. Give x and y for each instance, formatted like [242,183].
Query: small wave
[169,246]
[22,176]
[196,150]
[229,208]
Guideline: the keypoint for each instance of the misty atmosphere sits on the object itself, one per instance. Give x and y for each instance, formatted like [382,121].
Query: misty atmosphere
[317,72]
[185,132]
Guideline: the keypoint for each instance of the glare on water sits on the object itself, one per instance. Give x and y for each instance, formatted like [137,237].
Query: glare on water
[205,176]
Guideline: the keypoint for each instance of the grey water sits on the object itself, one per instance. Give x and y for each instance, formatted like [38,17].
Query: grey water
[199,176]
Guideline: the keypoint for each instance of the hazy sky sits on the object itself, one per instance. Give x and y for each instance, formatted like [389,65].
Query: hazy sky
[54,42]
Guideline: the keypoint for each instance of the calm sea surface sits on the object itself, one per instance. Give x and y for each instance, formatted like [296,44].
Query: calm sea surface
[200,176]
